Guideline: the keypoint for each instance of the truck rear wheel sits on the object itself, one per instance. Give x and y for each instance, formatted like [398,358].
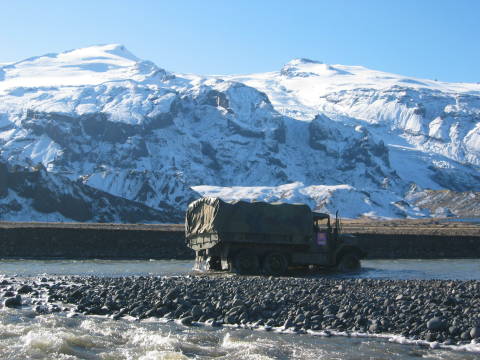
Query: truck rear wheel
[246,262]
[213,263]
[275,264]
[349,262]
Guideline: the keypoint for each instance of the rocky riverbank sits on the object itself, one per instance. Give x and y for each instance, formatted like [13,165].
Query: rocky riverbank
[433,310]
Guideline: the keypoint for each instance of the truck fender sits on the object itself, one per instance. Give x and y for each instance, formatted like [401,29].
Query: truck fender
[349,249]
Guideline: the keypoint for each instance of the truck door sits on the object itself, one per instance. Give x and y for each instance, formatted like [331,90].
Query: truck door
[321,234]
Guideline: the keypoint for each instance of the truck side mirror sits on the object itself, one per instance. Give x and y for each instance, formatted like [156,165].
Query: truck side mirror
[337,223]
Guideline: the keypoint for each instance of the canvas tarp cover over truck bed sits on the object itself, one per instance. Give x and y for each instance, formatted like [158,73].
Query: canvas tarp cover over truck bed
[213,215]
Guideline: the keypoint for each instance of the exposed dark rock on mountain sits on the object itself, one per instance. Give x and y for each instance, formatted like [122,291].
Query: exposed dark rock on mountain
[40,195]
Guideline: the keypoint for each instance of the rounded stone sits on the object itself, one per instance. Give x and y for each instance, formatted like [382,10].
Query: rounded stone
[13,302]
[187,320]
[475,332]
[436,324]
[374,327]
[196,311]
[453,330]
[25,289]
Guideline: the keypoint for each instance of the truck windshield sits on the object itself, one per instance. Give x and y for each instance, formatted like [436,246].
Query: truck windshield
[322,225]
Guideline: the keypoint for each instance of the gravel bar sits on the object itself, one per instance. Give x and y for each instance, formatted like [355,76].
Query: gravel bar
[433,310]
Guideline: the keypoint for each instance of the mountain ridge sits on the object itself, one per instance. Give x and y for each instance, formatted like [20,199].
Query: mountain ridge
[137,131]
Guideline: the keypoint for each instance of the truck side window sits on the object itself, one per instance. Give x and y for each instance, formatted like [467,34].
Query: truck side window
[322,226]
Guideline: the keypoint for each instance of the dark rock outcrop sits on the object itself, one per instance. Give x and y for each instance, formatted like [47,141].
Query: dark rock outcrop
[48,193]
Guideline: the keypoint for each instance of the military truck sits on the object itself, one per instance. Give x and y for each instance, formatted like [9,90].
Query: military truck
[259,237]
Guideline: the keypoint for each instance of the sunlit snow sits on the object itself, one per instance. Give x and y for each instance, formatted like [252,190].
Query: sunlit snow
[333,136]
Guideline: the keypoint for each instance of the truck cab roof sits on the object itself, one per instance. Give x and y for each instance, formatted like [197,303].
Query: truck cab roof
[320,216]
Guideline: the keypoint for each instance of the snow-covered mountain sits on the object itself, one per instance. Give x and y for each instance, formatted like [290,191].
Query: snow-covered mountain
[33,194]
[333,136]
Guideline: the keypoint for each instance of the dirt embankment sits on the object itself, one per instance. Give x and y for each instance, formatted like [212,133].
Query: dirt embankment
[92,226]
[381,239]
[87,241]
[442,227]
[437,227]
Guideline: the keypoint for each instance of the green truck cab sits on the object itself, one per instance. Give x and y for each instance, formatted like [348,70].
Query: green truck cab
[268,238]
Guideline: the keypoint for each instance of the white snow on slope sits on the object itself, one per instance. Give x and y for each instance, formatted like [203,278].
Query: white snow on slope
[302,83]
[350,202]
[89,66]
[432,116]
[350,137]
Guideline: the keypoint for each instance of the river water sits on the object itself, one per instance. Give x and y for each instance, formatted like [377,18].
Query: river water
[458,269]
[26,335]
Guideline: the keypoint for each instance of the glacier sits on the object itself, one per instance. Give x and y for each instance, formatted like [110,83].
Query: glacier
[347,138]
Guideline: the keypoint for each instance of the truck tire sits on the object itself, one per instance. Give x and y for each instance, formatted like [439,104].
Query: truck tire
[349,262]
[246,262]
[275,264]
[213,263]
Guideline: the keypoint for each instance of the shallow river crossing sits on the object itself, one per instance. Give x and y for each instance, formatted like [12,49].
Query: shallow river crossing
[26,335]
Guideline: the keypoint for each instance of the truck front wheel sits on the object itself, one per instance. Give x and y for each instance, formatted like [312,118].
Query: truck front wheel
[246,262]
[275,264]
[349,262]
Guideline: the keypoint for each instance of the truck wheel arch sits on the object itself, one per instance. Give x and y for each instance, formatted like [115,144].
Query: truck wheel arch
[349,249]
[275,263]
[245,262]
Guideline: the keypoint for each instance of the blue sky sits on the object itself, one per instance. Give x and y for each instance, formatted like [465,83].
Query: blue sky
[432,39]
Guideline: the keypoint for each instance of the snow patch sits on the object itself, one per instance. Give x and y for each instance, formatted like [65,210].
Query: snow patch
[322,198]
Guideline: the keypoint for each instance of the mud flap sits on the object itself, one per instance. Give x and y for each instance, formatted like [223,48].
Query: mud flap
[200,263]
